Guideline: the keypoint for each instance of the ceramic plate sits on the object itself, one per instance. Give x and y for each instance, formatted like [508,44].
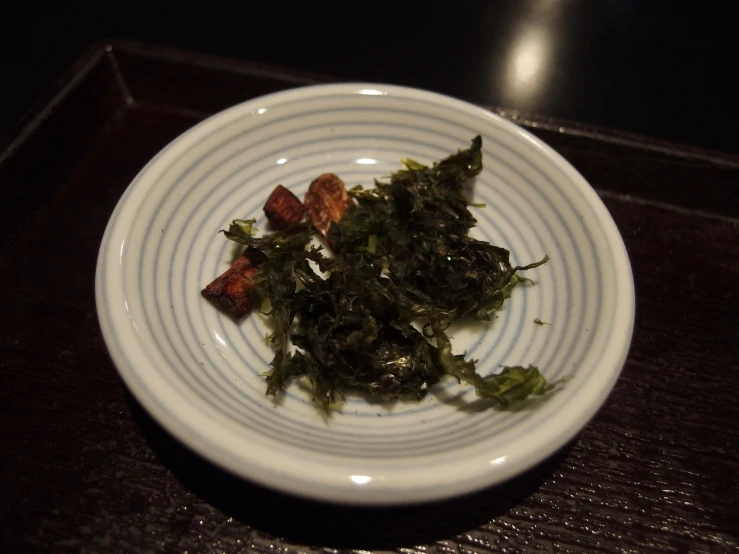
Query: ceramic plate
[202,376]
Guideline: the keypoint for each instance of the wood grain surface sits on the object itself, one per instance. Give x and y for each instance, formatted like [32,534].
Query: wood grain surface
[85,469]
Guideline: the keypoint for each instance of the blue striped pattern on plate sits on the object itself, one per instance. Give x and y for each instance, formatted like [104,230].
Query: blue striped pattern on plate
[201,375]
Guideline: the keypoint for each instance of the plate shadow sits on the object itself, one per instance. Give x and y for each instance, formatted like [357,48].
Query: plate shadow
[316,523]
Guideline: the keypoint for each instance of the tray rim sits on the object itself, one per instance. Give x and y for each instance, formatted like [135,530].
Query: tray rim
[80,68]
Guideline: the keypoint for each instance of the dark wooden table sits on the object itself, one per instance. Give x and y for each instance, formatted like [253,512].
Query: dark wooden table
[85,469]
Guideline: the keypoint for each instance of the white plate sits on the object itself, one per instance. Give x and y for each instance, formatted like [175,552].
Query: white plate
[201,376]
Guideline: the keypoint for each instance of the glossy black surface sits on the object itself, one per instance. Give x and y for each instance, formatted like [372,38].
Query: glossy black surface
[660,68]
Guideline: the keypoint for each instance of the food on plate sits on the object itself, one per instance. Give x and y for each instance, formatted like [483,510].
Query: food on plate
[283,208]
[370,308]
[326,201]
[230,292]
